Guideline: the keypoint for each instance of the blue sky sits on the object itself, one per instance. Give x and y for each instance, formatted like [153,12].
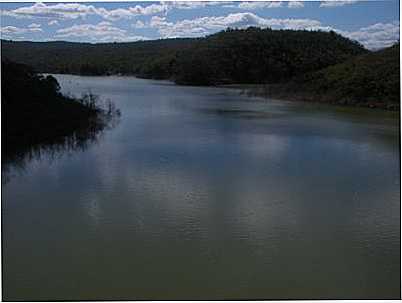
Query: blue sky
[375,24]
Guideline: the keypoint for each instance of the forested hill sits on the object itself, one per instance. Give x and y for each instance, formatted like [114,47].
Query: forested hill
[257,55]
[88,58]
[250,55]
[367,80]
[371,79]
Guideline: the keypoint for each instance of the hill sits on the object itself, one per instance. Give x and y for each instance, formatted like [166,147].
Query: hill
[250,55]
[257,55]
[370,80]
[88,58]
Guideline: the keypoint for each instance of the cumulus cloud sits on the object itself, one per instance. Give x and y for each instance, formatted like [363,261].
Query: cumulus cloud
[55,11]
[101,32]
[127,13]
[139,24]
[191,4]
[372,37]
[62,11]
[375,36]
[336,3]
[259,5]
[53,22]
[207,25]
[13,32]
[295,4]
[34,25]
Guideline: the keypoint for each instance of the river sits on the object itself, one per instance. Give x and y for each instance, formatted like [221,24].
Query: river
[201,193]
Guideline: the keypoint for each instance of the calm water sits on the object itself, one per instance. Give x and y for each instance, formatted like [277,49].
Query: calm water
[200,193]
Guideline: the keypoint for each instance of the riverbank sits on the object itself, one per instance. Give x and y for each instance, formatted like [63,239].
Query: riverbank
[290,93]
[37,115]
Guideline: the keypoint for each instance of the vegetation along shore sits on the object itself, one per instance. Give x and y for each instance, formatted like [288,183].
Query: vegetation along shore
[291,64]
[36,114]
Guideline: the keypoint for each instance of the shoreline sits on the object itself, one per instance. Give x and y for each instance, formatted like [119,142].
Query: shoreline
[287,92]
[281,91]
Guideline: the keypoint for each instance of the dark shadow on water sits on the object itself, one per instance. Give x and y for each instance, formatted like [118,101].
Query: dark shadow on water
[240,113]
[15,160]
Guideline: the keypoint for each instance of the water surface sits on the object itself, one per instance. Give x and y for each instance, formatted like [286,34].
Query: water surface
[200,193]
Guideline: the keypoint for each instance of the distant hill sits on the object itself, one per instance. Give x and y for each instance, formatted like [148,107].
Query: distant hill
[250,55]
[257,55]
[372,78]
[293,64]
[88,58]
[369,80]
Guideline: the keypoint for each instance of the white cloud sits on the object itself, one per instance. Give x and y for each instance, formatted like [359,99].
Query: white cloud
[139,24]
[372,37]
[191,4]
[375,36]
[13,32]
[34,25]
[295,4]
[259,5]
[55,11]
[207,25]
[101,32]
[63,11]
[127,13]
[53,22]
[336,3]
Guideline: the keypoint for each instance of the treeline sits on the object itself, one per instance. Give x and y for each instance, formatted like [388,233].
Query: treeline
[368,80]
[90,59]
[251,55]
[257,55]
[371,79]
[35,112]
[296,64]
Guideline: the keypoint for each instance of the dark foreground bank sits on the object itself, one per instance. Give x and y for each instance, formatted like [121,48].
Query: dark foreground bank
[36,114]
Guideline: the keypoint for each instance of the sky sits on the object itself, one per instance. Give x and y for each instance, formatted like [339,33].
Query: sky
[375,24]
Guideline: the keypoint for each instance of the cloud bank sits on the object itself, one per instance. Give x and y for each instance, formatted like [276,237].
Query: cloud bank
[153,19]
[101,32]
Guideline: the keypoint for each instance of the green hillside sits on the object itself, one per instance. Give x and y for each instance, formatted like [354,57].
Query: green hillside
[293,64]
[250,55]
[372,78]
[369,80]
[87,58]
[257,55]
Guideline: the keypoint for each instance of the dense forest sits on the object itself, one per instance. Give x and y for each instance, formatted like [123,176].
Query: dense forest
[36,113]
[370,80]
[90,59]
[250,55]
[257,55]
